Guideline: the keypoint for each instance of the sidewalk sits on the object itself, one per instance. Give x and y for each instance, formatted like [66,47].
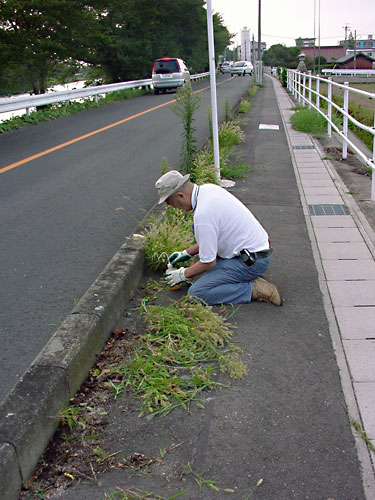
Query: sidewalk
[286,422]
[343,243]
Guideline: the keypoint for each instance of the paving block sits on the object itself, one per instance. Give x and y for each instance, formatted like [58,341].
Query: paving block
[10,476]
[356,322]
[334,199]
[365,396]
[338,235]
[341,270]
[332,221]
[306,181]
[352,293]
[360,355]
[320,191]
[311,169]
[344,251]
[306,174]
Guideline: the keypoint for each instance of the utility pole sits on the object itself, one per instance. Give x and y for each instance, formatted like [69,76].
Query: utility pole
[355,49]
[318,36]
[259,77]
[259,30]
[253,52]
[314,40]
[346,28]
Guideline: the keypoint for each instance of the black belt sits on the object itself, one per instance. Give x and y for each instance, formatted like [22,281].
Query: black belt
[250,257]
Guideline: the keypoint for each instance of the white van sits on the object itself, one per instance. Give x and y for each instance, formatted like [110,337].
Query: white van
[242,68]
[169,73]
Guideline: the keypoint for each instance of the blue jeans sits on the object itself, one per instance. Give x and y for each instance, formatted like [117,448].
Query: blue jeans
[229,282]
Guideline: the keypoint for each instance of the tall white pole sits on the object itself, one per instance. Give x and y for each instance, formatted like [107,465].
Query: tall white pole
[211,53]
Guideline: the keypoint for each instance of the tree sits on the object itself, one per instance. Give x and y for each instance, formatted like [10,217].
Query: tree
[279,55]
[122,37]
[129,45]
[36,35]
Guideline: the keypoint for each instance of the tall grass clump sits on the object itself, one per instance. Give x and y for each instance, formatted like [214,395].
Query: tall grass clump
[309,121]
[204,168]
[164,236]
[230,134]
[185,105]
[173,360]
[244,106]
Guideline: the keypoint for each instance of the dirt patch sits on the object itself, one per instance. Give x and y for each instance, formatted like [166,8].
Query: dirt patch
[78,451]
[335,154]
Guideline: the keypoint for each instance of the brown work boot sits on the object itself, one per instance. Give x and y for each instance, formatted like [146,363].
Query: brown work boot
[263,291]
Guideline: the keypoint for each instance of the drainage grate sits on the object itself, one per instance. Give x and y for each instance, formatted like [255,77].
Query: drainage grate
[303,147]
[328,210]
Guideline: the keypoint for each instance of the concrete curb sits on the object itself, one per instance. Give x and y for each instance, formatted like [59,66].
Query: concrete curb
[30,413]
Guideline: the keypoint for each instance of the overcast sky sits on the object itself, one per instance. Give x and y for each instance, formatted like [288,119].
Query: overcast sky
[285,20]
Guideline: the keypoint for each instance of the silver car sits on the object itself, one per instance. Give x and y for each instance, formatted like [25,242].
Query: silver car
[225,67]
[169,73]
[242,68]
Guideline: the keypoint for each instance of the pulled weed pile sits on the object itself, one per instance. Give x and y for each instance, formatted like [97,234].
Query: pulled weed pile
[172,362]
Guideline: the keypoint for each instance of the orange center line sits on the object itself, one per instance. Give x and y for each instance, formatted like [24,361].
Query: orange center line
[90,134]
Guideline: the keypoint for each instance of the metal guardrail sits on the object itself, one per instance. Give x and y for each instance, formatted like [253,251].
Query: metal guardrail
[28,102]
[300,84]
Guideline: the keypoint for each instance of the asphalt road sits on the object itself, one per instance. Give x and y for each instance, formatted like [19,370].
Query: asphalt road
[64,213]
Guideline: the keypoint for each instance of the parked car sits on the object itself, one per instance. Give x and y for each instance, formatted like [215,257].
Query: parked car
[242,68]
[169,73]
[225,67]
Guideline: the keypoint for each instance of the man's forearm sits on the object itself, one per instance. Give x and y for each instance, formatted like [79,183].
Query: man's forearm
[194,250]
[199,268]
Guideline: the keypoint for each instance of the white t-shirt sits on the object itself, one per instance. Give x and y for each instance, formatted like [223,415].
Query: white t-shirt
[223,226]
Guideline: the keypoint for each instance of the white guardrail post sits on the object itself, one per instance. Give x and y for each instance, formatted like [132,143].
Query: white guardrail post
[373,171]
[345,127]
[310,89]
[304,90]
[317,95]
[329,106]
[299,88]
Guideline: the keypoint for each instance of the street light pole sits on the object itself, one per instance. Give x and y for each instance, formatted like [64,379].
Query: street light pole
[211,52]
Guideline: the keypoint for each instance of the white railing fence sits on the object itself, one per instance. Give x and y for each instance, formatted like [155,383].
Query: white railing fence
[300,85]
[32,101]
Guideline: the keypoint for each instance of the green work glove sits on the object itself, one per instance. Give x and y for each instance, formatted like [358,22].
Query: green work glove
[175,277]
[178,257]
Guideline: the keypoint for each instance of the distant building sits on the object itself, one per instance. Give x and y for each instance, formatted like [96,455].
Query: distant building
[329,52]
[368,52]
[357,61]
[305,42]
[254,50]
[367,43]
[245,47]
